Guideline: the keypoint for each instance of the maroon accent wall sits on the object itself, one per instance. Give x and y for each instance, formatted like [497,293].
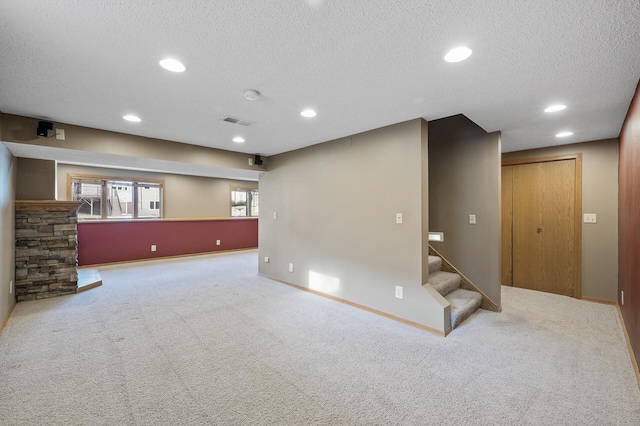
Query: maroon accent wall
[629,223]
[107,242]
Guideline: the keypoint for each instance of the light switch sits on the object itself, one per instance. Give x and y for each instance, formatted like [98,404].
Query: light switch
[399,218]
[472,219]
[399,292]
[291,267]
[275,215]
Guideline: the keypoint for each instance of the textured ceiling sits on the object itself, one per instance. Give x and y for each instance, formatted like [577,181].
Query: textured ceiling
[361,64]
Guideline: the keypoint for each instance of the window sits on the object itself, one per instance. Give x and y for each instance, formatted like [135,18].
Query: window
[119,200]
[148,198]
[89,192]
[112,198]
[244,202]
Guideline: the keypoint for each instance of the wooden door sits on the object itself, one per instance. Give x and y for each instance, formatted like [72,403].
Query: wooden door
[506,224]
[545,226]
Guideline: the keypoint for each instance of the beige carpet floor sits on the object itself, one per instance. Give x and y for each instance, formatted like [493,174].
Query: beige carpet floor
[206,341]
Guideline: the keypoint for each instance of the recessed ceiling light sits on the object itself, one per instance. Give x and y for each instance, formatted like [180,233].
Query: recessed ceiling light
[238,139]
[314,3]
[554,108]
[132,118]
[308,113]
[172,65]
[563,134]
[252,95]
[458,54]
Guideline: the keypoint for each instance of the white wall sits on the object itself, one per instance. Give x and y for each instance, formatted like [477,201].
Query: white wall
[336,206]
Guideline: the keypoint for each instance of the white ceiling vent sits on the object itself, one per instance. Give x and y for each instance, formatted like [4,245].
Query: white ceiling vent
[236,120]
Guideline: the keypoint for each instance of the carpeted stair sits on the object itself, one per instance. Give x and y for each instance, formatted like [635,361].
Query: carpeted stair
[463,302]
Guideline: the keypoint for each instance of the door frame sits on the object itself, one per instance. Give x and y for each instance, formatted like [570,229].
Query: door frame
[577,285]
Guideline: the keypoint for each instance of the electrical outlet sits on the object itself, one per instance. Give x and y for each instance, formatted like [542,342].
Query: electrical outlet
[622,297]
[399,218]
[11,287]
[250,161]
[590,218]
[275,215]
[153,247]
[399,291]
[291,267]
[60,134]
[217,242]
[472,219]
[266,259]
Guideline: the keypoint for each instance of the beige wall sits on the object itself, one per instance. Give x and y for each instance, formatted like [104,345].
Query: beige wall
[184,196]
[7,226]
[23,130]
[424,170]
[336,206]
[599,196]
[464,179]
[36,179]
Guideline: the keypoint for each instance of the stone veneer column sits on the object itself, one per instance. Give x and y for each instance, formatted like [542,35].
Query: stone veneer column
[46,248]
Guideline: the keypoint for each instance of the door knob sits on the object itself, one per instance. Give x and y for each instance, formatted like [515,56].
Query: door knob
[539,230]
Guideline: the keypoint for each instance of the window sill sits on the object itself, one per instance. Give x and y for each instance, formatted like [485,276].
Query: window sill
[199,219]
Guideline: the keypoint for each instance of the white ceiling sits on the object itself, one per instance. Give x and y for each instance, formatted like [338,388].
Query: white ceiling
[362,64]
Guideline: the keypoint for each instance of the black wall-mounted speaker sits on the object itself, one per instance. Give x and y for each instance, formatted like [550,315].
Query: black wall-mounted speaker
[257,160]
[44,127]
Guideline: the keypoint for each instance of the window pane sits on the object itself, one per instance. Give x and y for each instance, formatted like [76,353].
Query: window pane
[254,202]
[148,200]
[238,203]
[90,195]
[119,200]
